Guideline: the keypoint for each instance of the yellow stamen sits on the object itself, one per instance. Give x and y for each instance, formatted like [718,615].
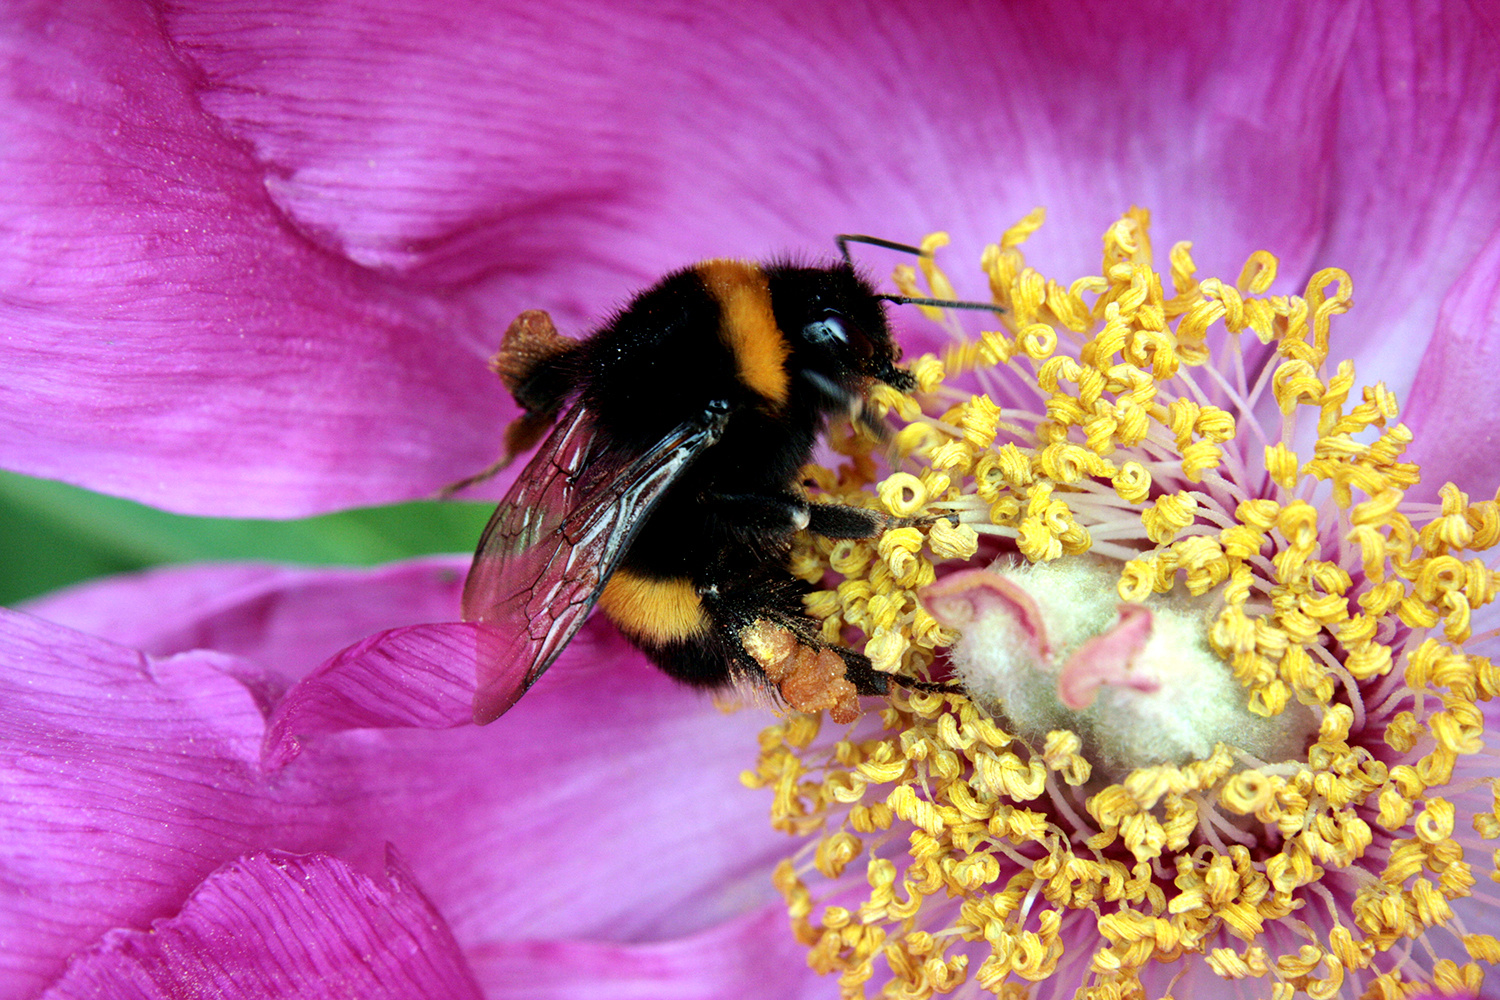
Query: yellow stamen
[988,857]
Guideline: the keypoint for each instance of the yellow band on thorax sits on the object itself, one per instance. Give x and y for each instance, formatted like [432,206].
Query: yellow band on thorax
[749,328]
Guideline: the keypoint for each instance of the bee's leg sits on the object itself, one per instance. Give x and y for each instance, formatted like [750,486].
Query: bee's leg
[522,435]
[809,674]
[867,680]
[862,674]
[537,365]
[833,520]
[774,514]
[836,521]
[488,472]
[764,627]
[759,516]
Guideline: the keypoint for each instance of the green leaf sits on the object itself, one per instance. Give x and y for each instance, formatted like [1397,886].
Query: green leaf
[52,535]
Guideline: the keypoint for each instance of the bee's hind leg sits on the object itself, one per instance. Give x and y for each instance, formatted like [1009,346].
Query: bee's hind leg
[869,681]
[777,640]
[809,674]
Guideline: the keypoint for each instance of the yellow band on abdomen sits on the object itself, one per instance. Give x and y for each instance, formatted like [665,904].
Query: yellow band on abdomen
[653,610]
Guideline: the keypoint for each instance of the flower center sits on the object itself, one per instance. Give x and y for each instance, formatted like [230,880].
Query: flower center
[1222,675]
[1049,646]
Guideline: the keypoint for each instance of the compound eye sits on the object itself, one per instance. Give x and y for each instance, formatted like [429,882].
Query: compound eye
[828,330]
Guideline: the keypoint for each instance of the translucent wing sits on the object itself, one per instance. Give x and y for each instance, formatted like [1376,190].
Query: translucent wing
[555,539]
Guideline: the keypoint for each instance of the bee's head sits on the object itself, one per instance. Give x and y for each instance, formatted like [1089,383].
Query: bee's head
[838,331]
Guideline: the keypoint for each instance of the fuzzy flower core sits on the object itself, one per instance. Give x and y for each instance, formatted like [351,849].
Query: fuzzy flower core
[1246,499]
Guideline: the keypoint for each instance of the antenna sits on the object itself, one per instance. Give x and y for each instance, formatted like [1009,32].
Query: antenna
[844,239]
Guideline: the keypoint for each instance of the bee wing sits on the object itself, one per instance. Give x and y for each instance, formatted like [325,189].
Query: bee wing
[554,541]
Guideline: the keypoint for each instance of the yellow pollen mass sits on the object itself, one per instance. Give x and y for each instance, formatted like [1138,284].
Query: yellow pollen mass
[1204,441]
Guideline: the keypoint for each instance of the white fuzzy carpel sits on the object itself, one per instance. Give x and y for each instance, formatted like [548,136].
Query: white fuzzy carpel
[1051,646]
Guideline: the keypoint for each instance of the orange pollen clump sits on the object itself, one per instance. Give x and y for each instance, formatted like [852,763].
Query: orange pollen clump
[809,679]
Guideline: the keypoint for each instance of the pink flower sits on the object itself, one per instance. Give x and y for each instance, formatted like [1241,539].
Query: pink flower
[253,258]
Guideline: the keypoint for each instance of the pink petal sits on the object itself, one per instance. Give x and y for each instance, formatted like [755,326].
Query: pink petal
[286,619]
[1415,196]
[605,807]
[166,335]
[124,782]
[491,144]
[278,925]
[1456,398]
[452,166]
[422,676]
[753,957]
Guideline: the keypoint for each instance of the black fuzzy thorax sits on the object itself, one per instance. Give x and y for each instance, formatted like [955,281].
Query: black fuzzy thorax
[659,363]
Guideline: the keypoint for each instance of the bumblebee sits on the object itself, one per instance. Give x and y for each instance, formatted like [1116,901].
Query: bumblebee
[667,492]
